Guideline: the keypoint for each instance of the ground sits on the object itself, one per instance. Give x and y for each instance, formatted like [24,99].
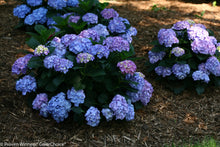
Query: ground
[167,119]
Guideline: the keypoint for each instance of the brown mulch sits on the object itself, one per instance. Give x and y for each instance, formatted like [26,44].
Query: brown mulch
[167,119]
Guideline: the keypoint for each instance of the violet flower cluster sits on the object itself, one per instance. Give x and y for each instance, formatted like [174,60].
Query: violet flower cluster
[20,65]
[127,67]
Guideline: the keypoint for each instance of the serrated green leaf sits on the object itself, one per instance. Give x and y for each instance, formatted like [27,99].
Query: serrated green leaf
[32,43]
[39,29]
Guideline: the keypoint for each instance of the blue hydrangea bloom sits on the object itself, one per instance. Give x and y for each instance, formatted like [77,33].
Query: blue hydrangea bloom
[116,44]
[39,100]
[155,56]
[20,65]
[90,18]
[66,15]
[204,46]
[119,106]
[163,71]
[177,51]
[202,67]
[124,20]
[137,80]
[134,96]
[80,45]
[180,25]
[59,107]
[130,115]
[93,116]
[67,39]
[51,23]
[146,93]
[44,110]
[72,3]
[101,30]
[108,13]
[167,37]
[40,15]
[132,31]
[30,19]
[63,65]
[26,84]
[84,58]
[34,2]
[126,37]
[200,75]
[116,25]
[57,4]
[99,50]
[199,25]
[197,32]
[181,70]
[89,33]
[60,49]
[213,65]
[76,97]
[108,114]
[21,11]
[49,61]
[74,19]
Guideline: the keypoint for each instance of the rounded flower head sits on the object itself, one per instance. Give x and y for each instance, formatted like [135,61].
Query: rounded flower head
[80,44]
[67,39]
[40,15]
[99,50]
[93,116]
[30,19]
[130,115]
[107,113]
[200,75]
[163,71]
[181,25]
[50,61]
[137,80]
[108,13]
[84,58]
[57,4]
[127,67]
[155,56]
[197,32]
[21,11]
[60,49]
[116,44]
[39,100]
[101,30]
[205,46]
[63,65]
[59,107]
[177,51]
[181,70]
[44,110]
[90,18]
[119,106]
[146,93]
[26,84]
[72,3]
[202,67]
[41,50]
[34,2]
[74,19]
[213,65]
[89,33]
[167,37]
[76,97]
[20,65]
[116,25]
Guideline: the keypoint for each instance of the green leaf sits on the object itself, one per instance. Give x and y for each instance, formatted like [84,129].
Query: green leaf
[70,57]
[202,57]
[58,80]
[96,73]
[77,110]
[51,87]
[103,98]
[32,42]
[155,42]
[40,29]
[35,62]
[200,89]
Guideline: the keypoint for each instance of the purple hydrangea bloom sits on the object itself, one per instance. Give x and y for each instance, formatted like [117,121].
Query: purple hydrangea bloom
[201,67]
[130,115]
[116,25]
[146,93]
[134,96]
[199,25]
[39,100]
[49,61]
[60,49]
[107,113]
[197,32]
[101,30]
[21,11]
[93,116]
[163,71]
[26,84]
[59,107]
[213,65]
[180,25]
[74,19]
[203,46]
[99,50]
[167,37]
[76,97]
[137,80]
[155,56]
[181,70]
[44,110]
[20,65]
[89,33]
[116,44]
[90,18]
[63,65]
[80,45]
[127,67]
[34,2]
[84,58]
[119,106]
[72,3]
[108,13]
[41,50]
[177,51]
[57,4]
[67,39]
[212,39]
[200,75]
[124,20]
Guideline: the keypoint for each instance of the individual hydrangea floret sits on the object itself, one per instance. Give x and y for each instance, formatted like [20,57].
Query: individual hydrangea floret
[197,32]
[116,25]
[119,106]
[108,114]
[20,65]
[108,13]
[44,110]
[203,46]
[26,84]
[93,116]
[167,37]
[200,75]
[99,50]
[90,18]
[63,65]
[127,67]
[89,33]
[181,70]
[39,100]
[76,97]
[156,56]
[163,71]
[177,51]
[130,115]
[116,44]
[59,107]
[101,30]
[67,39]
[60,49]
[21,11]
[57,4]
[50,61]
[84,58]
[180,25]
[41,50]
[34,3]
[213,65]
[72,3]
[80,44]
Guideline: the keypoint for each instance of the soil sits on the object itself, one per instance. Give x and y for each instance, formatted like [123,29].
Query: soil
[168,118]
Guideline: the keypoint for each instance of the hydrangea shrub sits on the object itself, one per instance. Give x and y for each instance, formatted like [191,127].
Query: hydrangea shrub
[88,73]
[186,56]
